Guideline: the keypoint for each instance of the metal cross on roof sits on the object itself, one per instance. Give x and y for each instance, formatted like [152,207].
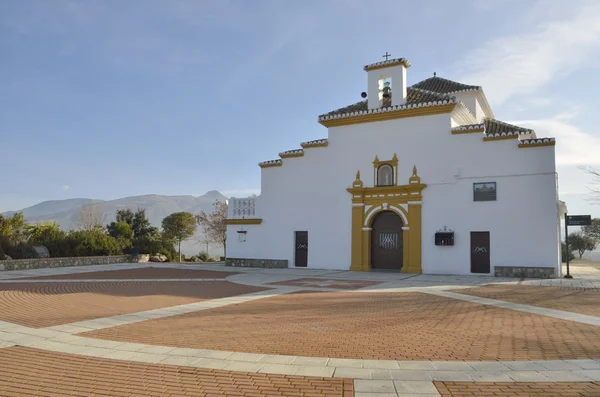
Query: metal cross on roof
[386,56]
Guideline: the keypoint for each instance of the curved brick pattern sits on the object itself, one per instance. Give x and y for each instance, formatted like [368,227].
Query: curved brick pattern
[510,389]
[326,283]
[31,372]
[577,300]
[148,273]
[401,326]
[39,305]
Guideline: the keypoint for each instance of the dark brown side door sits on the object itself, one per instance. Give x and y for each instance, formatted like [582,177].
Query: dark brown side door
[386,241]
[480,252]
[301,258]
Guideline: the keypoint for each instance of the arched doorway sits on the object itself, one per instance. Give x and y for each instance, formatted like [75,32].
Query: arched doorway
[386,241]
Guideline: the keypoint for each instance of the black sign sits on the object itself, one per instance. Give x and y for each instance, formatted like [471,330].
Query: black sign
[579,220]
[484,191]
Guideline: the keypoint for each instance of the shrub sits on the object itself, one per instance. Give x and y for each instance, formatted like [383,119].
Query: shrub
[2,256]
[54,240]
[203,256]
[147,245]
[93,243]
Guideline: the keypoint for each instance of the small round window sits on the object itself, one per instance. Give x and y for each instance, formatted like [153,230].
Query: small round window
[385,175]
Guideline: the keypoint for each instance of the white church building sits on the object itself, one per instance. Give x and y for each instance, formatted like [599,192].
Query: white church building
[416,179]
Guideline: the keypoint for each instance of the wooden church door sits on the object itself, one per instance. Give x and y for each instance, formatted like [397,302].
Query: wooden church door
[301,257]
[386,241]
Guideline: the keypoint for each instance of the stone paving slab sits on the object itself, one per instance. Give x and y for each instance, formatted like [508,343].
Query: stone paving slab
[367,326]
[48,304]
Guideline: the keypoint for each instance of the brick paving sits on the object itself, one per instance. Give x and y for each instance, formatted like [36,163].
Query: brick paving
[510,389]
[401,326]
[327,283]
[31,372]
[39,305]
[577,300]
[149,273]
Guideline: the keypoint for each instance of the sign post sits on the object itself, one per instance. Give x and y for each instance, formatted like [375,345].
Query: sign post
[574,220]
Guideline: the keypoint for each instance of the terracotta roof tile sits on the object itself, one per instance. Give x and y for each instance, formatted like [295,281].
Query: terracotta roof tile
[444,86]
[413,96]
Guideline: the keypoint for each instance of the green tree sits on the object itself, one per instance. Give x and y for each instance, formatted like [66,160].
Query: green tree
[214,224]
[138,222]
[142,227]
[580,242]
[13,229]
[179,227]
[120,230]
[593,230]
[564,252]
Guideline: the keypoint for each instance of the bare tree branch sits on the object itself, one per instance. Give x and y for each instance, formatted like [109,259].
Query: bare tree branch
[595,174]
[214,224]
[90,217]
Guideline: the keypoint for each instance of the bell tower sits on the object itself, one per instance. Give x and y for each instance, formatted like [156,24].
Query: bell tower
[387,79]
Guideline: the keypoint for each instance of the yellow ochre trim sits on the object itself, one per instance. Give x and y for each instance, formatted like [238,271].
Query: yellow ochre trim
[459,132]
[390,115]
[247,221]
[368,201]
[527,145]
[500,137]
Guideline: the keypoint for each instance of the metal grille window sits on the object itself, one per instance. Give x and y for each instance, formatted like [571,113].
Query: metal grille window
[388,241]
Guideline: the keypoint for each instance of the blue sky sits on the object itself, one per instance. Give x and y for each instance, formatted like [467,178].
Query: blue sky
[111,98]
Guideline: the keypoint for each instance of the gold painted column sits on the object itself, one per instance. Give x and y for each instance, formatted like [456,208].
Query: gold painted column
[414,221]
[405,249]
[357,236]
[366,249]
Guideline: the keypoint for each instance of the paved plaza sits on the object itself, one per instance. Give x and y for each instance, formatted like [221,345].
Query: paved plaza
[211,330]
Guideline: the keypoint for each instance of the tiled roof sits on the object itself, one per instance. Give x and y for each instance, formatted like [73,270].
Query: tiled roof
[444,86]
[315,143]
[389,62]
[270,163]
[493,126]
[413,96]
[292,153]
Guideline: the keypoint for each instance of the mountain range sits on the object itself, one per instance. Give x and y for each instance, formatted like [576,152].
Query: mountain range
[66,212]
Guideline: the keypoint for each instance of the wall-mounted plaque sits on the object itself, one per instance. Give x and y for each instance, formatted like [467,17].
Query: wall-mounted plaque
[484,191]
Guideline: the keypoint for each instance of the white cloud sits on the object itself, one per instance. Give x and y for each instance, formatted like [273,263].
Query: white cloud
[573,146]
[523,63]
[66,187]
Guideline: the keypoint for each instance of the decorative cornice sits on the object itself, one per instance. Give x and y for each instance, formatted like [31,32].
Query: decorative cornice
[388,63]
[527,143]
[315,143]
[468,129]
[247,221]
[389,113]
[503,135]
[271,163]
[292,153]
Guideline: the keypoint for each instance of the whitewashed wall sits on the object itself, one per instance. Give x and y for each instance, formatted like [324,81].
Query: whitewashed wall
[309,193]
